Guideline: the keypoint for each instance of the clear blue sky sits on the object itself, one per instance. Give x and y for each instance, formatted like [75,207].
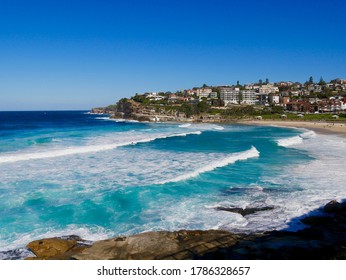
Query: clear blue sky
[61,54]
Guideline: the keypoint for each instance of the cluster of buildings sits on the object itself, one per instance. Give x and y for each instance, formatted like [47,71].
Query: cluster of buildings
[291,96]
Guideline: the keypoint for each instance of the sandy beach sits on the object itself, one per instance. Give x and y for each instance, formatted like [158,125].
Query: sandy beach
[319,127]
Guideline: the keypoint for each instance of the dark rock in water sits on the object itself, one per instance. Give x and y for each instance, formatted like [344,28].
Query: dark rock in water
[334,207]
[246,211]
[316,220]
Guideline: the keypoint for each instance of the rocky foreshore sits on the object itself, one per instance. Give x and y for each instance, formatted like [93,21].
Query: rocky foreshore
[324,238]
[131,110]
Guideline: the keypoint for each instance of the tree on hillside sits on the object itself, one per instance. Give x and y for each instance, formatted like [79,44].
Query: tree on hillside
[241,98]
[267,81]
[321,82]
[277,109]
[217,90]
[260,82]
[311,80]
[204,86]
[203,106]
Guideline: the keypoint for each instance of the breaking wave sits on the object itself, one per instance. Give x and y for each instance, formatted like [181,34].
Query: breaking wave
[295,140]
[251,153]
[185,125]
[86,149]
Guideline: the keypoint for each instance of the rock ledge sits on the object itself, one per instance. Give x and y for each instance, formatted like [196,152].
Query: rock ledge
[325,238]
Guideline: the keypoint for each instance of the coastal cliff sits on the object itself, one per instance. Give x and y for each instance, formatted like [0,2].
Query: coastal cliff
[132,110]
[324,238]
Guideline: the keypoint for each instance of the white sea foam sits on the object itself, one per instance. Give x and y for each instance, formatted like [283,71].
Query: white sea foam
[252,153]
[295,140]
[123,120]
[87,178]
[218,127]
[185,125]
[116,120]
[308,134]
[209,126]
[305,184]
[86,149]
[290,141]
[103,118]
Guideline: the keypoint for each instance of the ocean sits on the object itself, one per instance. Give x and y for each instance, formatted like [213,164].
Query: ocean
[71,172]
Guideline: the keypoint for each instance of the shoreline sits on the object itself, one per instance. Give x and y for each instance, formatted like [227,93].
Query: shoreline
[320,127]
[326,128]
[322,239]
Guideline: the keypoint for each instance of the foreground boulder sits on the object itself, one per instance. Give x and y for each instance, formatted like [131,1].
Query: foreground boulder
[56,248]
[158,245]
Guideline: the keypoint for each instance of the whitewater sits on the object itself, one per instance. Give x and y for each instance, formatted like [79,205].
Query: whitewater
[71,172]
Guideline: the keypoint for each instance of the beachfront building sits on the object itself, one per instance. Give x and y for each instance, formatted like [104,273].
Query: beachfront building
[314,88]
[236,96]
[262,98]
[229,95]
[150,94]
[274,98]
[190,92]
[299,106]
[248,97]
[203,92]
[172,98]
[213,95]
[284,100]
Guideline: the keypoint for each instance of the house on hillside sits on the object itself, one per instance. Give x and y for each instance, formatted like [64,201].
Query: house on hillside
[299,106]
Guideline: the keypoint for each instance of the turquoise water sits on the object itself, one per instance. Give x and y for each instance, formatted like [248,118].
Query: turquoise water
[76,173]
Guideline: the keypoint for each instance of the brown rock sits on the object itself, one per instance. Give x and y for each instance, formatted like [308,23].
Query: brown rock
[153,246]
[50,247]
[324,239]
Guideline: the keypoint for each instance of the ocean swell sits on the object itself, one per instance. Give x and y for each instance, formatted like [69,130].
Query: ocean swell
[86,149]
[251,153]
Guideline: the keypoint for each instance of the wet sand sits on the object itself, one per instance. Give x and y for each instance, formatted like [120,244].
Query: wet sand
[338,128]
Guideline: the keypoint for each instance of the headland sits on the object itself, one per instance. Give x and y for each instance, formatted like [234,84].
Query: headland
[129,109]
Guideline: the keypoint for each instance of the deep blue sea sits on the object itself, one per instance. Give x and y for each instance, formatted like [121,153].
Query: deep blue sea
[72,172]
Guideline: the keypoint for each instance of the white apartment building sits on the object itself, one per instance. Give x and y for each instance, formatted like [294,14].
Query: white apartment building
[229,95]
[203,92]
[274,98]
[248,97]
[236,96]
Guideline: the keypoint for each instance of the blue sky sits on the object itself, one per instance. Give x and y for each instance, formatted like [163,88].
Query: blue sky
[83,54]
